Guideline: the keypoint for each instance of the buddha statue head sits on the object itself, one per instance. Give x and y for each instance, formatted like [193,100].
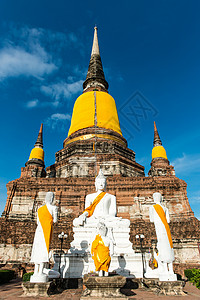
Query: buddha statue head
[157,197]
[49,197]
[100,182]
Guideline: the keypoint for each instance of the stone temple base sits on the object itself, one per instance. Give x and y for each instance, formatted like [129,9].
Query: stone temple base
[76,265]
[168,288]
[78,261]
[43,289]
[103,287]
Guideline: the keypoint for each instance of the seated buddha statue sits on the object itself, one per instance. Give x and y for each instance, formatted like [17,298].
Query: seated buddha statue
[100,205]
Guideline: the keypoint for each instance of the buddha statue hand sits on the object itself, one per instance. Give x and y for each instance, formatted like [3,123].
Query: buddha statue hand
[80,221]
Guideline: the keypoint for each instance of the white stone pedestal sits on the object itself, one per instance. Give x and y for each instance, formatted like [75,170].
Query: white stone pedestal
[84,236]
[168,277]
[74,265]
[39,278]
[160,274]
[78,261]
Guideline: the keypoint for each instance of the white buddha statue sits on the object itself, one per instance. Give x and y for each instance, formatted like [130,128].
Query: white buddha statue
[100,205]
[46,216]
[159,215]
[102,249]
[99,232]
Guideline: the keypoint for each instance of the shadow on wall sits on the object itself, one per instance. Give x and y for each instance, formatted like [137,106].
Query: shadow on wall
[122,264]
[77,261]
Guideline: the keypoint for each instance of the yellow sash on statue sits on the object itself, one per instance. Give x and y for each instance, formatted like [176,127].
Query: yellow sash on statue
[100,254]
[90,209]
[161,213]
[46,221]
[155,263]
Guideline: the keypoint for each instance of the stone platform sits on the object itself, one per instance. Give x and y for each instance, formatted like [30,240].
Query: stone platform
[167,288]
[13,291]
[103,287]
[77,264]
[43,289]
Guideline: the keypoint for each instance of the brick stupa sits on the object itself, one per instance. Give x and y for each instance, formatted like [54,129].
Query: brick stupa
[95,140]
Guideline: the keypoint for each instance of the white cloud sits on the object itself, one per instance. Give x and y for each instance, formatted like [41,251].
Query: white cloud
[36,103]
[194,197]
[187,164]
[32,103]
[62,90]
[58,117]
[28,37]
[36,52]
[58,120]
[16,62]
[58,93]
[32,51]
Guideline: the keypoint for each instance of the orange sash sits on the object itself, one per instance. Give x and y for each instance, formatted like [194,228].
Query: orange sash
[155,263]
[100,254]
[90,209]
[161,213]
[46,221]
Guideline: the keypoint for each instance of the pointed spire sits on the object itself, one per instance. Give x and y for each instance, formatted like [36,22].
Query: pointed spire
[37,153]
[39,142]
[159,164]
[95,46]
[157,140]
[95,79]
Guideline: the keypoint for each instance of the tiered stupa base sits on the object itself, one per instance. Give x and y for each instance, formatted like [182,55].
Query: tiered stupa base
[88,149]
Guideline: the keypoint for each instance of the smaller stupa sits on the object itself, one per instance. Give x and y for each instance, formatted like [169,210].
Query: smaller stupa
[160,165]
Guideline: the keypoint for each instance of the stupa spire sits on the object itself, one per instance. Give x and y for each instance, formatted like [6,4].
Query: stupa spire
[95,46]
[37,153]
[39,142]
[95,79]
[159,165]
[157,140]
[158,150]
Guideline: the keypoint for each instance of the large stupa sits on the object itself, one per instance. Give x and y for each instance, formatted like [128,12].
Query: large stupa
[95,140]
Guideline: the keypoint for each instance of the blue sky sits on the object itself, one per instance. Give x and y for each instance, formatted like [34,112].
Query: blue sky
[150,53]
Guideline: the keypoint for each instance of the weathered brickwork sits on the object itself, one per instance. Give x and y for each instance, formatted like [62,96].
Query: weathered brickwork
[134,195]
[78,158]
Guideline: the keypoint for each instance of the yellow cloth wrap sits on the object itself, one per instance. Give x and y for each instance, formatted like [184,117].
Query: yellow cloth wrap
[155,263]
[90,209]
[100,254]
[37,153]
[84,112]
[46,221]
[107,116]
[159,151]
[162,216]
